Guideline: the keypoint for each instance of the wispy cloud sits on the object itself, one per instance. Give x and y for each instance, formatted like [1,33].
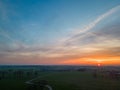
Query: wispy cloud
[80,45]
[80,33]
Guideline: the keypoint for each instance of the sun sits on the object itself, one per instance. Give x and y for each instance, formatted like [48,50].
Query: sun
[98,64]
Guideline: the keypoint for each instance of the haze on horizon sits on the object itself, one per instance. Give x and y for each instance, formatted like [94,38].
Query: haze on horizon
[60,32]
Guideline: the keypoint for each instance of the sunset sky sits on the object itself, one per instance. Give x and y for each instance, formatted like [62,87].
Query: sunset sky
[60,32]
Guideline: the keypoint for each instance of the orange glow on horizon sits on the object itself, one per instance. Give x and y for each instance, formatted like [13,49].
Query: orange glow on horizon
[94,61]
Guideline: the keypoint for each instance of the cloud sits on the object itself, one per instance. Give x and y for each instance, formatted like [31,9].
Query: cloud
[99,42]
[80,33]
[110,31]
[99,19]
[81,45]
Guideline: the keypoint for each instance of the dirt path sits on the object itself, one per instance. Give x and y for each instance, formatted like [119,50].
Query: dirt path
[30,82]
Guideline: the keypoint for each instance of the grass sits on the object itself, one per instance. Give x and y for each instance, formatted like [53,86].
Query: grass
[14,84]
[65,81]
[80,81]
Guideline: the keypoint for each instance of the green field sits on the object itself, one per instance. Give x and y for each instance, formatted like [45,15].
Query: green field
[65,81]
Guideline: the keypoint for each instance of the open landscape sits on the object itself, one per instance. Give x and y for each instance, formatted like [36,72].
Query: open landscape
[59,44]
[61,78]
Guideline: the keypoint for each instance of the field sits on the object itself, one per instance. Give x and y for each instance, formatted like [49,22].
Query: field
[81,81]
[64,80]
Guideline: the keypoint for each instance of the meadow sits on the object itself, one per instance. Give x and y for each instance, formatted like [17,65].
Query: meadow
[64,80]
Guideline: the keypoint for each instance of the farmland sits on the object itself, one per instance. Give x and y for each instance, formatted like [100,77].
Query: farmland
[59,80]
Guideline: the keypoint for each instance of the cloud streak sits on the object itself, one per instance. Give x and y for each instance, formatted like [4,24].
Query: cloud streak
[80,33]
[81,45]
[99,19]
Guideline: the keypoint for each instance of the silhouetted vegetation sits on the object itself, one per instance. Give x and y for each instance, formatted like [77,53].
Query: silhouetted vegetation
[59,77]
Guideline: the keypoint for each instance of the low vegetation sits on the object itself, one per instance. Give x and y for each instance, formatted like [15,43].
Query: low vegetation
[61,80]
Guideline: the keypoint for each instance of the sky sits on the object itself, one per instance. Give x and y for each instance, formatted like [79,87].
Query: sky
[60,32]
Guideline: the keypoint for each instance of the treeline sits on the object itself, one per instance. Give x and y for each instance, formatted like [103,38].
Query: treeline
[18,74]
